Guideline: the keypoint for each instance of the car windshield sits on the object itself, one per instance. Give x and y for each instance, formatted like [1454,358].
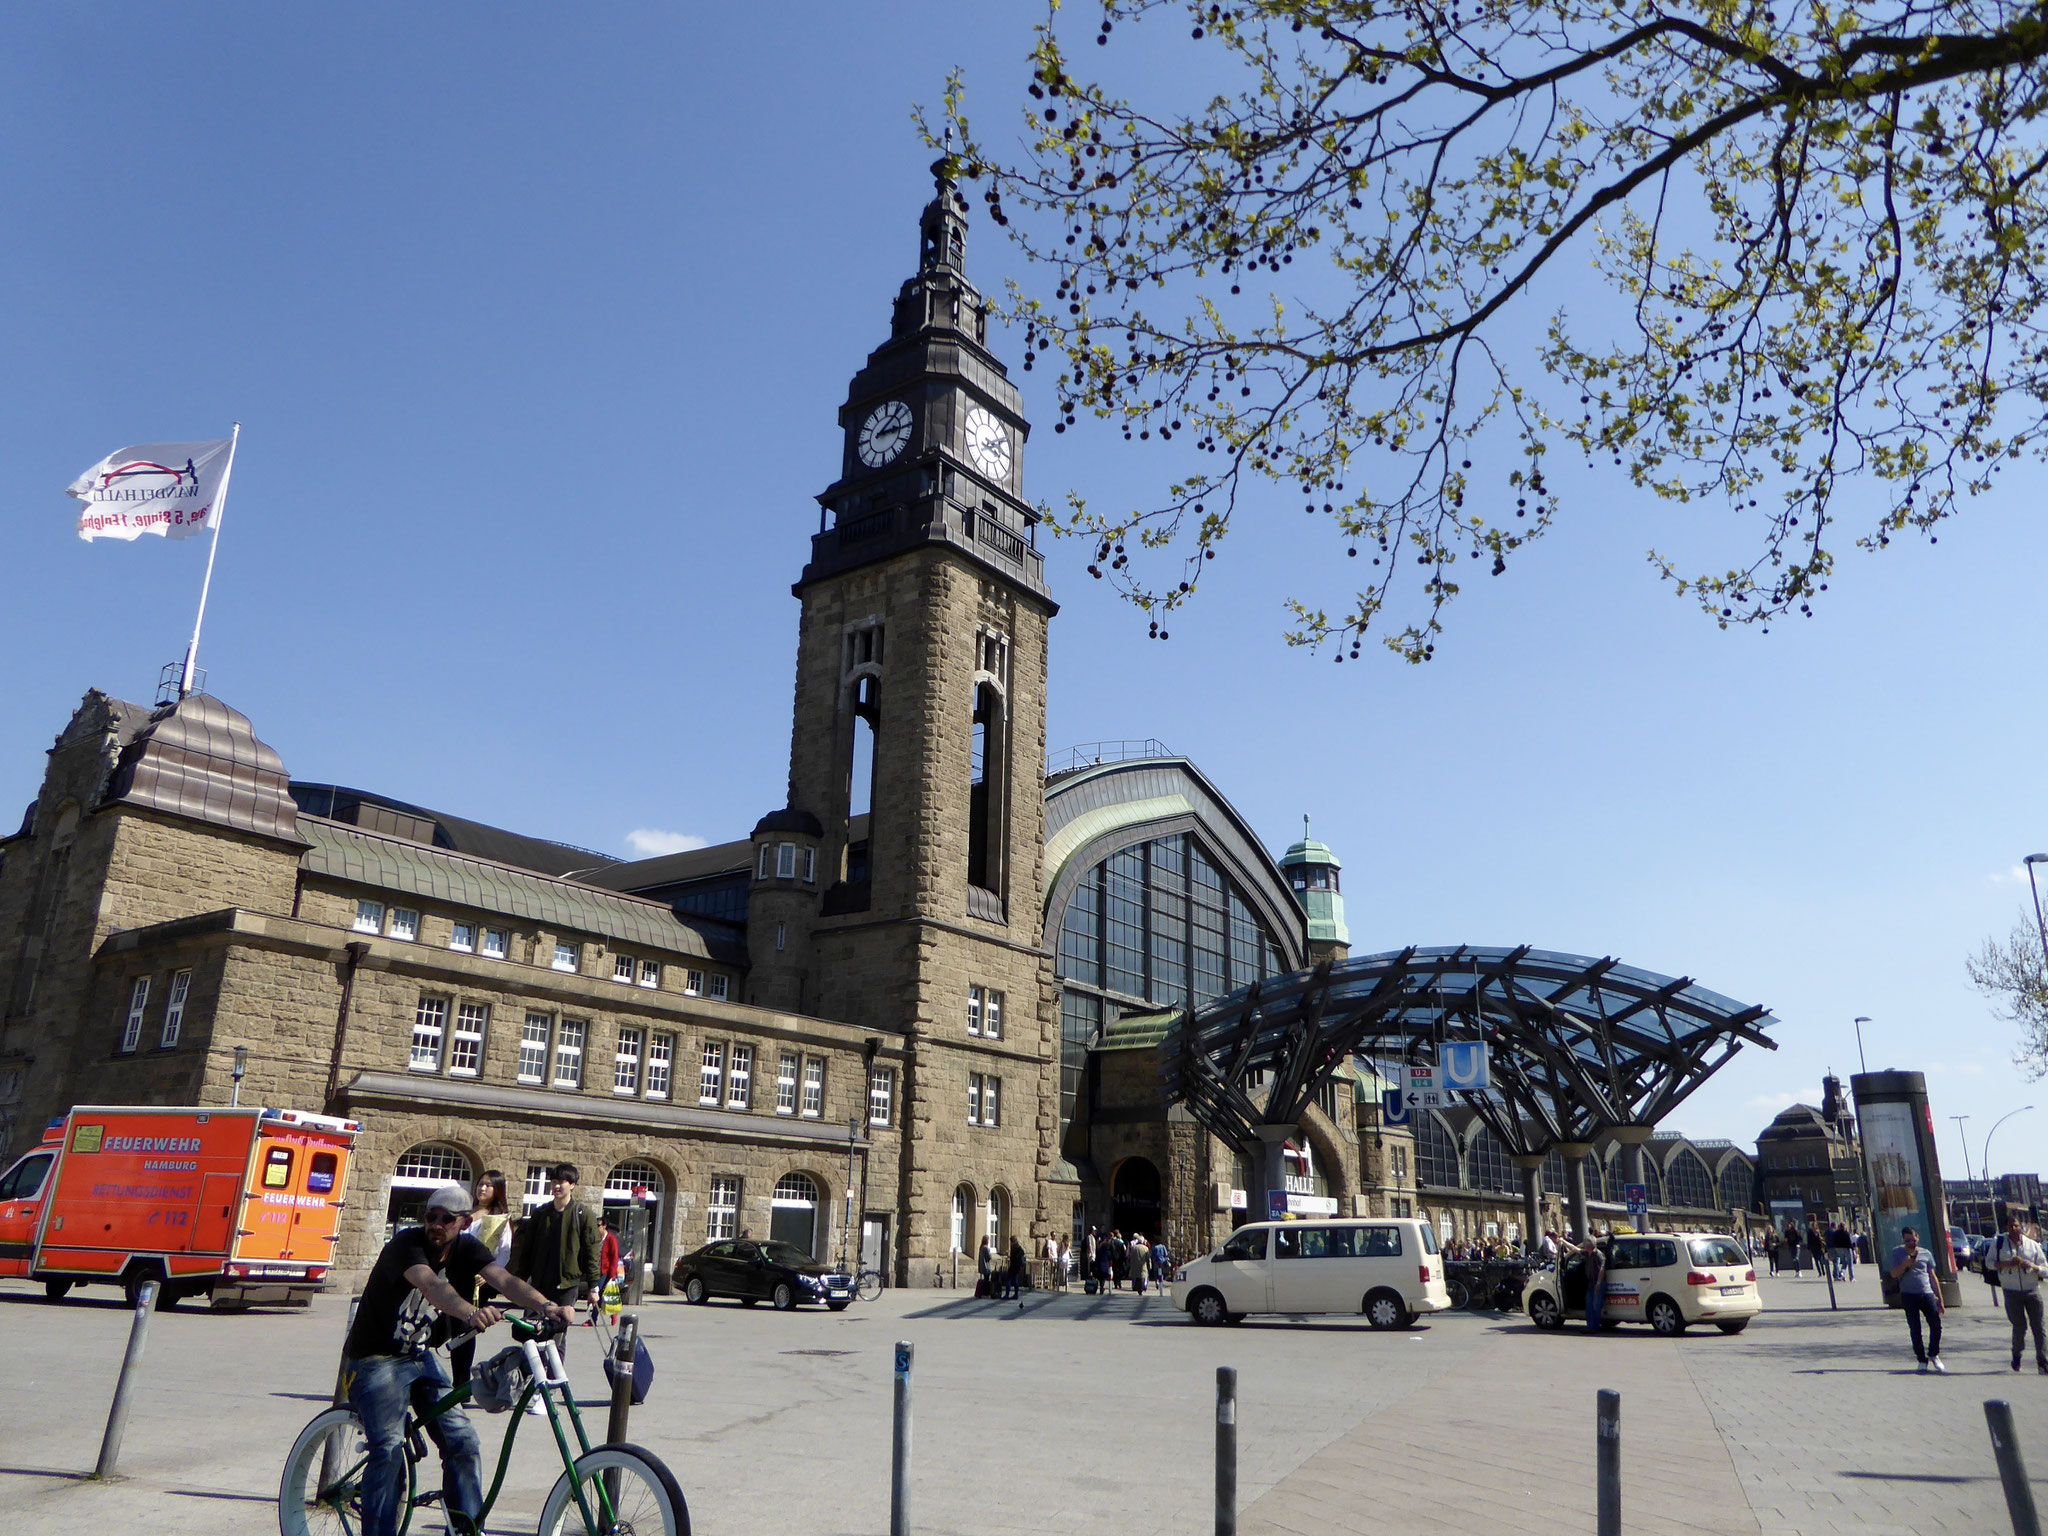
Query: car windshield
[783,1253]
[1718,1253]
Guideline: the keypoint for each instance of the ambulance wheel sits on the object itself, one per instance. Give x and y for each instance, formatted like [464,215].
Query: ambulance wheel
[132,1283]
[56,1290]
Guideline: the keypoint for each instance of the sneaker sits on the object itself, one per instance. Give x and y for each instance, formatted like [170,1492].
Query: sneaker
[1923,1367]
[537,1409]
[2042,1364]
[2015,1362]
[1937,1367]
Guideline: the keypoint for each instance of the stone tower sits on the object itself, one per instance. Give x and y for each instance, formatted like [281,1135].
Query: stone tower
[901,886]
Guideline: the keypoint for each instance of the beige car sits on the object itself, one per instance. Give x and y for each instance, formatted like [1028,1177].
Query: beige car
[1669,1280]
[1386,1268]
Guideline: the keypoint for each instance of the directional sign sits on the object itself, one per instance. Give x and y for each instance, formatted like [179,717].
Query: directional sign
[1423,1090]
[1463,1065]
[1394,1107]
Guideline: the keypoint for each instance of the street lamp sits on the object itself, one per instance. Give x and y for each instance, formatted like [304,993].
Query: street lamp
[241,1071]
[2039,926]
[1994,1131]
[1959,1119]
[1861,1060]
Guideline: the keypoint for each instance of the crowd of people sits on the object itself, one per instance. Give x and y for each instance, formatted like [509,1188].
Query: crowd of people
[1799,1251]
[1106,1260]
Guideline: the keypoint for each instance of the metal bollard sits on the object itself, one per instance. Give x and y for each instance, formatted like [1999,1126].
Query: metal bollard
[1609,1431]
[2012,1471]
[623,1349]
[899,1458]
[117,1416]
[1827,1263]
[1226,1450]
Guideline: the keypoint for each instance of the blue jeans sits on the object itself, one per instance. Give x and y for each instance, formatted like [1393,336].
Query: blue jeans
[1596,1293]
[379,1388]
[1917,1307]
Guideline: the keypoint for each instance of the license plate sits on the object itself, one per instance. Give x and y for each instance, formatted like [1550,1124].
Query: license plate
[1733,1290]
[837,1286]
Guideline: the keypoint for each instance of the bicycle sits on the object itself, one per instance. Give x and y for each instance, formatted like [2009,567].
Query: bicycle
[607,1490]
[867,1284]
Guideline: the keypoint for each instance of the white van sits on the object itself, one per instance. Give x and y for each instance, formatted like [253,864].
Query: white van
[1387,1269]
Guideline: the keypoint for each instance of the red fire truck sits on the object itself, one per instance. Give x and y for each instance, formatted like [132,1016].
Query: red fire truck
[243,1205]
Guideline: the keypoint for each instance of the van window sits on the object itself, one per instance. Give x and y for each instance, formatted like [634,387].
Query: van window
[1339,1242]
[1245,1245]
[1428,1238]
[277,1168]
[1660,1253]
[320,1176]
[1380,1242]
[1718,1253]
[25,1178]
[1292,1243]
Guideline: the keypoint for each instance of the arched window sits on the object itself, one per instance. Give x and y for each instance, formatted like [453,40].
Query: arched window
[998,1220]
[624,1179]
[1492,1168]
[1738,1184]
[421,1170]
[963,1203]
[1690,1184]
[793,1212]
[1436,1153]
[1554,1174]
[1596,1183]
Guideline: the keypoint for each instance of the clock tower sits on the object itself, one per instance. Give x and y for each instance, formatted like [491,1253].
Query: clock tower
[916,780]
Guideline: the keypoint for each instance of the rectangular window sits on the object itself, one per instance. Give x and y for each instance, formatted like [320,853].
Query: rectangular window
[650,973]
[626,1063]
[785,861]
[992,1016]
[881,1094]
[622,969]
[810,866]
[767,861]
[174,1009]
[739,1078]
[569,1054]
[537,1188]
[661,1055]
[533,1048]
[369,917]
[429,1022]
[463,937]
[708,984]
[974,1098]
[814,1086]
[785,1084]
[984,1099]
[405,924]
[974,1010]
[711,1073]
[138,999]
[568,957]
[724,1207]
[496,942]
[466,1048]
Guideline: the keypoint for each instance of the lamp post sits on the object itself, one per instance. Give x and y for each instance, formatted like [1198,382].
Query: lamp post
[241,1070]
[2040,927]
[1968,1178]
[1993,1132]
[1861,1060]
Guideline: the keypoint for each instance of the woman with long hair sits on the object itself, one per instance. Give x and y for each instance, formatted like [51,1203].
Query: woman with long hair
[491,1226]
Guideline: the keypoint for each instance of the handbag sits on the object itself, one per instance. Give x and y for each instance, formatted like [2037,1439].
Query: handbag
[643,1371]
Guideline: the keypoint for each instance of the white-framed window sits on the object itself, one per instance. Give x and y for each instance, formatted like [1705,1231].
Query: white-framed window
[974,1010]
[496,942]
[661,1055]
[538,1189]
[569,1054]
[767,865]
[963,1202]
[650,973]
[369,917]
[814,1087]
[711,1073]
[881,1094]
[724,1208]
[568,957]
[138,1000]
[405,924]
[626,1063]
[810,866]
[623,969]
[739,1078]
[533,1047]
[429,1025]
[174,1009]
[984,1099]
[462,936]
[785,1084]
[709,984]
[466,1045]
[998,1221]
[785,861]
[991,1015]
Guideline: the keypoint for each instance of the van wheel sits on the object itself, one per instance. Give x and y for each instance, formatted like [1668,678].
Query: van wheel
[132,1283]
[1666,1321]
[56,1290]
[1206,1308]
[1544,1311]
[1385,1309]
[694,1292]
[1734,1325]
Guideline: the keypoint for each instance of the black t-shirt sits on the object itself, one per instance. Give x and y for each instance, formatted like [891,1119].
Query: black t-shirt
[395,1317]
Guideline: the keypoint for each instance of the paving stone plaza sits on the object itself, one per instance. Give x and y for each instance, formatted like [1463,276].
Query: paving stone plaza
[1080,1414]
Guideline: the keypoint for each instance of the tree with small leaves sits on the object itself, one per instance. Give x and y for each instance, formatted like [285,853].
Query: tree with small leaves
[1821,228]
[2011,975]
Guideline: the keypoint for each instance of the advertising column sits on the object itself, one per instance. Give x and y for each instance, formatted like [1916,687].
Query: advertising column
[1903,1172]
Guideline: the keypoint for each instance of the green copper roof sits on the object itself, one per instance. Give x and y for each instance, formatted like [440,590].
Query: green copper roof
[1138,1031]
[1309,851]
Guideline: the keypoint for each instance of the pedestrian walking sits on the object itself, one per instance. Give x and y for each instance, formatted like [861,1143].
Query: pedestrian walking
[1113,1261]
[1771,1248]
[1816,1245]
[2021,1262]
[1841,1256]
[1913,1267]
[1091,1260]
[492,1226]
[1063,1266]
[1162,1263]
[984,1270]
[556,1250]
[1013,1278]
[1137,1259]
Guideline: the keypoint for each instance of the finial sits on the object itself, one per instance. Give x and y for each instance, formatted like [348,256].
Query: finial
[1304,826]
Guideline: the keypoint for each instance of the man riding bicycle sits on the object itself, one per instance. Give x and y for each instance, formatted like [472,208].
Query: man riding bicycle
[423,1270]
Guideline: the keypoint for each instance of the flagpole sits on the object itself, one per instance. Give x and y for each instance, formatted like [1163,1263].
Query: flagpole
[220,509]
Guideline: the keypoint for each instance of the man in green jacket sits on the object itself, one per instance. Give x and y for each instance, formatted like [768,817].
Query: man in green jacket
[556,1250]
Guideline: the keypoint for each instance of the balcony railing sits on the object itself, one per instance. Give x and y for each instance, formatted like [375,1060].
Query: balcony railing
[1092,754]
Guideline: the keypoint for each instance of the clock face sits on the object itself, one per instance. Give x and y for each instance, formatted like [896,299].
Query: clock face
[884,434]
[988,444]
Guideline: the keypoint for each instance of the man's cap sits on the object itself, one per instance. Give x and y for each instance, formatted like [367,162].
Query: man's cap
[450,1197]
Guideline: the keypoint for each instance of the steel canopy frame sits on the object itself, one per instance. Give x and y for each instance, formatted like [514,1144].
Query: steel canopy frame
[1578,1045]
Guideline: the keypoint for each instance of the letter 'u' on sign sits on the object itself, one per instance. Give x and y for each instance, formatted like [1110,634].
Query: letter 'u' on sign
[1462,1065]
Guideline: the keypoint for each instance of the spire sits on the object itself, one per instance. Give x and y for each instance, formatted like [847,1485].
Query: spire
[943,229]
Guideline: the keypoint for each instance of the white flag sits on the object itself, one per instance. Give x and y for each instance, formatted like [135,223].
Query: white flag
[169,489]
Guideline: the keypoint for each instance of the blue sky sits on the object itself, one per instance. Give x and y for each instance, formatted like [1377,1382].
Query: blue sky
[537,320]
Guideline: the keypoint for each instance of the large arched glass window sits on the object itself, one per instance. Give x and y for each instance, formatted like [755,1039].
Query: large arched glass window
[1690,1184]
[793,1212]
[421,1170]
[1738,1184]
[1436,1153]
[1492,1168]
[1554,1174]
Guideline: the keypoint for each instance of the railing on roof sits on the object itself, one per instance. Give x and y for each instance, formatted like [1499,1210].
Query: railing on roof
[1092,754]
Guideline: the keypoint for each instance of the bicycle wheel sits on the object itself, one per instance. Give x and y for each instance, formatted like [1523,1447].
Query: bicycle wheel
[647,1501]
[869,1286]
[321,1491]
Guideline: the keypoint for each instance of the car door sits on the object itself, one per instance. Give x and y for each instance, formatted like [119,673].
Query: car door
[750,1270]
[1298,1270]
[715,1268]
[1240,1271]
[21,1204]
[1379,1261]
[1628,1269]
